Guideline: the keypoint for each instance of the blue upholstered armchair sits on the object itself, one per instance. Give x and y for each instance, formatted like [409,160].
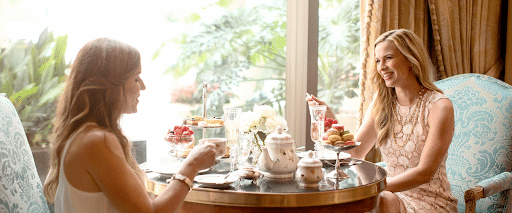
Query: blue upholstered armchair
[480,156]
[20,186]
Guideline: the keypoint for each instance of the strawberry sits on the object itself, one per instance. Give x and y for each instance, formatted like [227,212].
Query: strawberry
[178,132]
[328,123]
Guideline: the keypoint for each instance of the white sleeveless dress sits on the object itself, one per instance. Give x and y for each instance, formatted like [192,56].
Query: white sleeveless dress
[434,196]
[70,199]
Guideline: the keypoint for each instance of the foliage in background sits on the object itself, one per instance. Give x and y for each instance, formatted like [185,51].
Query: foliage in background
[338,51]
[247,40]
[32,75]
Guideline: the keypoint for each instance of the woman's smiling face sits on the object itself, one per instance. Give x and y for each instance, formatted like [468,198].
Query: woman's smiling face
[391,64]
[132,89]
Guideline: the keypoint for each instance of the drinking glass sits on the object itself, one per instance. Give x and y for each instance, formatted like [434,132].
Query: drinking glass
[180,143]
[317,113]
[246,155]
[231,125]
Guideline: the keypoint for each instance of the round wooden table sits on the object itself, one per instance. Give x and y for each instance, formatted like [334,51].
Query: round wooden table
[358,193]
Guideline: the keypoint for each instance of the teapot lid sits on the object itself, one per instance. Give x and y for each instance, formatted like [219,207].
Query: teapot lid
[310,160]
[280,136]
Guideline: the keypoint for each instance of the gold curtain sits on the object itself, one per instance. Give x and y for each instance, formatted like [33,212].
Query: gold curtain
[463,36]
[467,36]
[508,51]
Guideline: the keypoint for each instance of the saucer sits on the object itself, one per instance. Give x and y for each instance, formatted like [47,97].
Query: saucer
[168,170]
[215,180]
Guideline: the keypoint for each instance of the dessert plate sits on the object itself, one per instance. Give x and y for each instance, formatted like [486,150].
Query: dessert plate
[168,170]
[215,180]
[341,148]
[330,156]
[185,153]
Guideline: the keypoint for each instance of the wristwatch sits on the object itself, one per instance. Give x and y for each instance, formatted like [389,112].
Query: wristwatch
[183,179]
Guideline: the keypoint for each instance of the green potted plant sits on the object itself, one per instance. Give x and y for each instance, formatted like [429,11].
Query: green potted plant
[32,75]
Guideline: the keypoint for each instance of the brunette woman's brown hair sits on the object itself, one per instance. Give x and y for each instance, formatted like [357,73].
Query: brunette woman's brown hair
[93,93]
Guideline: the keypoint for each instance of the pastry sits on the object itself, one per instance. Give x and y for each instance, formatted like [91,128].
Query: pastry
[193,120]
[338,127]
[334,138]
[327,142]
[332,131]
[339,143]
[347,137]
[214,121]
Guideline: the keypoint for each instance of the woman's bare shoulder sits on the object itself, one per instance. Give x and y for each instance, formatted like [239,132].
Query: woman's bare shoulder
[93,138]
[442,104]
[441,111]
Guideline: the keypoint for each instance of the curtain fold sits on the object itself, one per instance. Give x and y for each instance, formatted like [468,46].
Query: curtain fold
[462,36]
[508,52]
[467,36]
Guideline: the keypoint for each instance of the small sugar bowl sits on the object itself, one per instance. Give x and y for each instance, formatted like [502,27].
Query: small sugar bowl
[309,171]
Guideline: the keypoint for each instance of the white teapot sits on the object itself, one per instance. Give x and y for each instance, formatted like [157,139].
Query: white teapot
[278,157]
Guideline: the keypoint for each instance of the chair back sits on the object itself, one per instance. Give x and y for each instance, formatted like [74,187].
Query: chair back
[20,186]
[481,146]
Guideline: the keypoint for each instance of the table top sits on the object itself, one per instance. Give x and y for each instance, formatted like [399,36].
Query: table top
[365,180]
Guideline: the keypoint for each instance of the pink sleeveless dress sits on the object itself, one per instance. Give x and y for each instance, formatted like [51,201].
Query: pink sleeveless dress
[404,153]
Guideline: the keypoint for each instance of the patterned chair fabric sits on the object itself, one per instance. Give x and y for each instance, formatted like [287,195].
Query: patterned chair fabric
[20,186]
[481,150]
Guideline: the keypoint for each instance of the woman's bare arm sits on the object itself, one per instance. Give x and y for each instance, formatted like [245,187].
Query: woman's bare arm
[107,166]
[366,134]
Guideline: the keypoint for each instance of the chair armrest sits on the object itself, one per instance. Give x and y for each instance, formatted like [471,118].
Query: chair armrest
[496,184]
[471,196]
[487,188]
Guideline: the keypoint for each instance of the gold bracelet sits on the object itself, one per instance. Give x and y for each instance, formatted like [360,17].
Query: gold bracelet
[183,179]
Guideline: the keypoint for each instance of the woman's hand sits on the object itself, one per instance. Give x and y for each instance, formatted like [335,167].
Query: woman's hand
[313,101]
[200,157]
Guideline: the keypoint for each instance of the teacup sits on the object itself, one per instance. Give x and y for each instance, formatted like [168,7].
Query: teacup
[220,146]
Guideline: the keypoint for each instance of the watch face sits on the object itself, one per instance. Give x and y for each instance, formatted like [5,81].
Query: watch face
[184,179]
[180,177]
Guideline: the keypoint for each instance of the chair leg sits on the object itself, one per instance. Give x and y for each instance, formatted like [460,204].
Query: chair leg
[471,196]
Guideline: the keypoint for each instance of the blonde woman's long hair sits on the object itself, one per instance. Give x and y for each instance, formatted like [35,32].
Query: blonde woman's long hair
[410,45]
[94,93]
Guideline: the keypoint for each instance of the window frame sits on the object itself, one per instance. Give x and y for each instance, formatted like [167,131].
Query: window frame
[301,67]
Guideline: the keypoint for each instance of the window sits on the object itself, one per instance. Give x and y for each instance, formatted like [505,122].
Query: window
[260,29]
[338,58]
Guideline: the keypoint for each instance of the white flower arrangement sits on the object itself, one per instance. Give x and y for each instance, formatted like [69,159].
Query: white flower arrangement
[263,119]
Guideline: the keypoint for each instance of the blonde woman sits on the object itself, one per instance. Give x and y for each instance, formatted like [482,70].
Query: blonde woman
[411,122]
[92,168]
